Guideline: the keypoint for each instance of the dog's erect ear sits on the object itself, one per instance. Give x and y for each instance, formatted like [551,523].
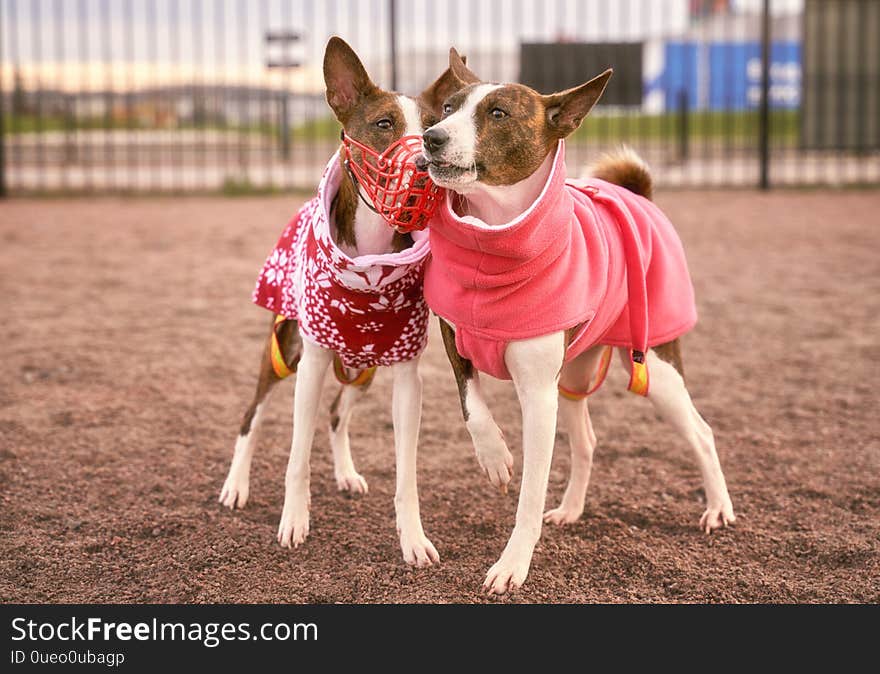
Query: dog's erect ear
[345,77]
[442,88]
[567,109]
[461,71]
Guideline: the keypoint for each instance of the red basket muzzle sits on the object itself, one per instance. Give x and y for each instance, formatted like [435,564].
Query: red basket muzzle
[397,189]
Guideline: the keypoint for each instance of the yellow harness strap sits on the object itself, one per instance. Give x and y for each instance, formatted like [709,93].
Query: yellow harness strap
[282,370]
[638,380]
[278,363]
[362,378]
[601,372]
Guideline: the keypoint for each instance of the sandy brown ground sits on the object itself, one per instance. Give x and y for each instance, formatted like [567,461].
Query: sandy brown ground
[129,350]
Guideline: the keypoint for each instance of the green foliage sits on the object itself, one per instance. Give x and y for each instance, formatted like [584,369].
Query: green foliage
[243,187]
[739,126]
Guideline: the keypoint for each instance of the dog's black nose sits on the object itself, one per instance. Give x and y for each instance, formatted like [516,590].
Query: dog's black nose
[434,139]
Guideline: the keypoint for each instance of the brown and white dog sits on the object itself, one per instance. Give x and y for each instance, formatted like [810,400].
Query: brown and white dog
[494,148]
[376,119]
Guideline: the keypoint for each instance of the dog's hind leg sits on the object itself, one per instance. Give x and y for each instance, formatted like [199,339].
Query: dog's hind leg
[672,401]
[491,449]
[347,477]
[575,414]
[236,488]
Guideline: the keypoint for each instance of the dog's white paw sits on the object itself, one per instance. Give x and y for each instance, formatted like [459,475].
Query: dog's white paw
[351,481]
[294,526]
[494,457]
[236,488]
[717,516]
[564,514]
[509,572]
[418,551]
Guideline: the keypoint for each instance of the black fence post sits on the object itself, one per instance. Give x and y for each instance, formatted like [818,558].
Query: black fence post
[3,192]
[285,37]
[684,138]
[764,119]
[392,18]
[284,125]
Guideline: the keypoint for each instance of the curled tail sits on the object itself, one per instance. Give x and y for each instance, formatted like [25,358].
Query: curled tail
[625,168]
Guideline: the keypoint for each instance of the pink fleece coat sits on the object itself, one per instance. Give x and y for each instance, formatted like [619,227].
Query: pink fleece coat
[586,253]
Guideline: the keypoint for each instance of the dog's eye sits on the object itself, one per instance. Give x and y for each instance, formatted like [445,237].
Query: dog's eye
[384,124]
[447,108]
[497,113]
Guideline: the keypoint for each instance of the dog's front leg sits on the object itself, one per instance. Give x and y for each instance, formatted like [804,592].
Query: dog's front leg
[294,526]
[491,450]
[406,413]
[534,365]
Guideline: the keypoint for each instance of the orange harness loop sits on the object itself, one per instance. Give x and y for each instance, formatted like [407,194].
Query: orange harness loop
[280,366]
[601,372]
[282,370]
[638,380]
[362,378]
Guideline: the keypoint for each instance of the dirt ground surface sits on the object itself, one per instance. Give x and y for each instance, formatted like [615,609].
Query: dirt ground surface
[129,351]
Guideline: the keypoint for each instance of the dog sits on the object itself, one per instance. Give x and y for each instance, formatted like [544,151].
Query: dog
[345,288]
[537,279]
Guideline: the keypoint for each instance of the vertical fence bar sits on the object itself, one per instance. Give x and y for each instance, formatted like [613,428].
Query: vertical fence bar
[267,158]
[624,22]
[684,131]
[683,104]
[314,107]
[3,191]
[84,143]
[496,12]
[861,86]
[642,110]
[875,145]
[284,128]
[153,100]
[702,121]
[18,93]
[392,41]
[727,107]
[37,59]
[221,86]
[841,80]
[198,96]
[764,129]
[820,114]
[604,126]
[131,180]
[65,152]
[176,150]
[244,121]
[109,101]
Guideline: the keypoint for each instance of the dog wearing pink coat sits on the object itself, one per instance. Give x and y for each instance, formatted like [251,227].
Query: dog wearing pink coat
[537,279]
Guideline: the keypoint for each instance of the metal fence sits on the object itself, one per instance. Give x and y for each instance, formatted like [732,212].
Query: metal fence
[204,95]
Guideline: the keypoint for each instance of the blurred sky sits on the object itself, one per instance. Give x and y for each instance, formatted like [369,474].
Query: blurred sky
[69,43]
